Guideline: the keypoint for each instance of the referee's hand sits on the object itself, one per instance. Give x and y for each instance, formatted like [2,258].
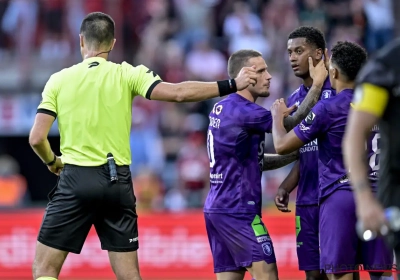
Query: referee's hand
[247,76]
[56,167]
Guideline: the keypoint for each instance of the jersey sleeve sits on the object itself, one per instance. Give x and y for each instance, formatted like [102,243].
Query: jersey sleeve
[313,125]
[48,105]
[259,120]
[141,80]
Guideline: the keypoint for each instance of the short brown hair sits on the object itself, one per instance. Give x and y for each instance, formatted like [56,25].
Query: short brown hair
[238,60]
[98,29]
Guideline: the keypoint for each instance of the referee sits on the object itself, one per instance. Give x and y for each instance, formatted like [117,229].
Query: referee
[93,103]
[376,101]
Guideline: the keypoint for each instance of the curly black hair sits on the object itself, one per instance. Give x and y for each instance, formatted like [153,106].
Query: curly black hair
[349,57]
[313,36]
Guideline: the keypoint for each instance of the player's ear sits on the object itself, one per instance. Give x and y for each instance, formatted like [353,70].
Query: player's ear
[113,43]
[318,54]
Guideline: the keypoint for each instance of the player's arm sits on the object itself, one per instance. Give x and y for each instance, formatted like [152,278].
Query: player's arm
[287,186]
[145,82]
[305,107]
[318,73]
[305,132]
[46,114]
[274,161]
[292,179]
[370,102]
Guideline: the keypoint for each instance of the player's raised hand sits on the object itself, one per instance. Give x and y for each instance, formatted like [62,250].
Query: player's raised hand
[247,76]
[318,73]
[56,167]
[279,109]
[282,200]
[326,59]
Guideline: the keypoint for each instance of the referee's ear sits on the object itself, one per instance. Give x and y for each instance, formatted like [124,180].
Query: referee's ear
[113,44]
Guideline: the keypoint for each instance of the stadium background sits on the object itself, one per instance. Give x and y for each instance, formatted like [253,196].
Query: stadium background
[180,40]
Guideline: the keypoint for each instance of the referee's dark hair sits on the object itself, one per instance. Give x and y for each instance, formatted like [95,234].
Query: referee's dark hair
[238,60]
[349,57]
[313,36]
[98,29]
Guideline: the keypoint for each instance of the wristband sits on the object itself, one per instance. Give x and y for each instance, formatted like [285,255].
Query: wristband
[51,162]
[226,87]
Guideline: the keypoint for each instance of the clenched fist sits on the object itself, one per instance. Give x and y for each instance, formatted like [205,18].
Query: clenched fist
[247,76]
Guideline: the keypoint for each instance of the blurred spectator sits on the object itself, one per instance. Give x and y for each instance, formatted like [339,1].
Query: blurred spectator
[205,63]
[242,19]
[312,14]
[380,23]
[12,184]
[195,17]
[146,144]
[19,21]
[193,169]
[175,200]
[148,190]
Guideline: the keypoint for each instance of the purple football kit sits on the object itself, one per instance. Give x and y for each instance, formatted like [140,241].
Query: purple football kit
[340,248]
[307,209]
[232,210]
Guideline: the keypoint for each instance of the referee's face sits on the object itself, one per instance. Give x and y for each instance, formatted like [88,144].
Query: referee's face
[261,88]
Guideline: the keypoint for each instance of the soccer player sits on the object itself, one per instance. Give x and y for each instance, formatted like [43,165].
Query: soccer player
[339,243]
[376,100]
[93,103]
[305,42]
[238,239]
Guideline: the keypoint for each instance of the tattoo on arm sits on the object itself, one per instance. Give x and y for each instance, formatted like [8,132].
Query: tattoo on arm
[273,161]
[305,107]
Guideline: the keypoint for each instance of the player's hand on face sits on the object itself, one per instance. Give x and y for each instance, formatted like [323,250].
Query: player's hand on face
[56,167]
[326,59]
[279,109]
[370,212]
[247,76]
[318,73]
[282,200]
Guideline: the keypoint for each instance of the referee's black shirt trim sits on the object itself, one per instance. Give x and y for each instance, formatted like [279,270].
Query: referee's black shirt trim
[150,90]
[47,112]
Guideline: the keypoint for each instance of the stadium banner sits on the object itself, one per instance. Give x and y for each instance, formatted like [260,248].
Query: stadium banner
[172,246]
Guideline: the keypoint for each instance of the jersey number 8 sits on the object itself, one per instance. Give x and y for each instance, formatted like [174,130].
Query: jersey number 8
[374,159]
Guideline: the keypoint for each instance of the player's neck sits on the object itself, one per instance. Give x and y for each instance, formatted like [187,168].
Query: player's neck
[96,53]
[341,86]
[246,94]
[307,82]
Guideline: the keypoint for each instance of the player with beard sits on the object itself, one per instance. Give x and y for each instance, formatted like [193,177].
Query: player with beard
[238,238]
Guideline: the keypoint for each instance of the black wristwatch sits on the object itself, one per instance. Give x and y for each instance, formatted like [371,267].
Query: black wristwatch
[51,162]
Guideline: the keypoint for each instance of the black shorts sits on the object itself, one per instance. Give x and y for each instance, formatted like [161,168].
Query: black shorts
[84,196]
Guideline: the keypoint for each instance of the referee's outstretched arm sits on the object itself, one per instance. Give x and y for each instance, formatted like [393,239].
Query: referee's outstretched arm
[92,102]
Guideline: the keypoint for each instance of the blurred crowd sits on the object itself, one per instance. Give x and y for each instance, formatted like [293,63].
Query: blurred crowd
[181,40]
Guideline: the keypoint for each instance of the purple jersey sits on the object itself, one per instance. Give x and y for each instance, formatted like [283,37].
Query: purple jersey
[307,192]
[235,142]
[327,122]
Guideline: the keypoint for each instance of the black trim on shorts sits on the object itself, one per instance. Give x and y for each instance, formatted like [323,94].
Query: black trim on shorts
[47,112]
[150,90]
[115,249]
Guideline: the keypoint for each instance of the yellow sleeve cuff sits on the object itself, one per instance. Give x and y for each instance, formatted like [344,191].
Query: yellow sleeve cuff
[371,99]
